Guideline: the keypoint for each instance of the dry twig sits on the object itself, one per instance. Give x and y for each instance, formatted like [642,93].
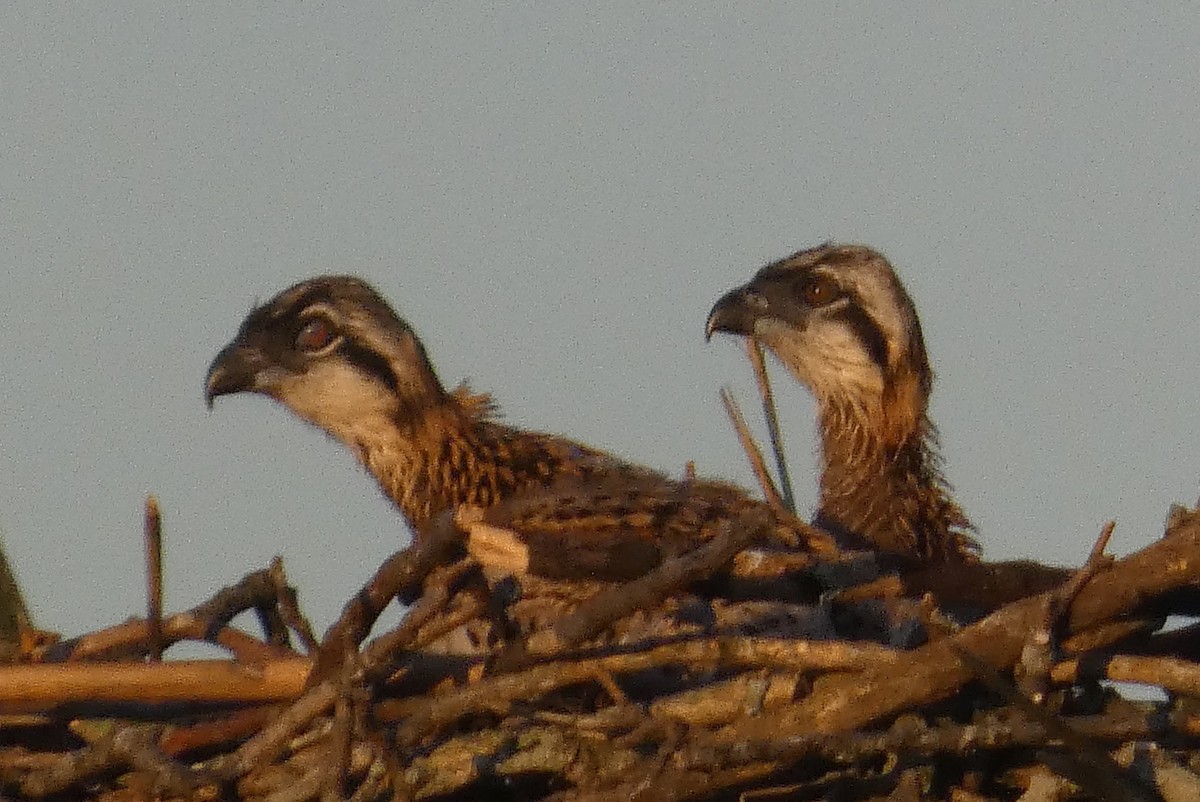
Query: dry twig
[753,452]
[755,352]
[154,584]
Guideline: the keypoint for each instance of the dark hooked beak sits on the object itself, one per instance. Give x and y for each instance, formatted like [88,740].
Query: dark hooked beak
[234,370]
[734,313]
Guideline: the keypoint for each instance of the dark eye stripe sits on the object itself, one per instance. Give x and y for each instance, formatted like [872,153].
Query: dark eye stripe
[369,362]
[866,330]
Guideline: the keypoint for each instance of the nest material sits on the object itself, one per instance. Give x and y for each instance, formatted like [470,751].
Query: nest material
[633,695]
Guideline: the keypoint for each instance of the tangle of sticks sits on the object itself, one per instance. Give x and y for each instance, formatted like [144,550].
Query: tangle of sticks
[1009,704]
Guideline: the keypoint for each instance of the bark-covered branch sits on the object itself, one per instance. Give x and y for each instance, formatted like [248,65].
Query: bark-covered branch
[653,690]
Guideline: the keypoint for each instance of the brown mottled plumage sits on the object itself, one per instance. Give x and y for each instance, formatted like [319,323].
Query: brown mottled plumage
[840,320]
[334,352]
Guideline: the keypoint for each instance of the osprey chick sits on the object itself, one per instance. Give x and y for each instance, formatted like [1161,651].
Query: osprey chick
[839,319]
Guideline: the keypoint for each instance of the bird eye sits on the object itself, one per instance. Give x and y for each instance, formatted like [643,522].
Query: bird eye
[315,335]
[819,291]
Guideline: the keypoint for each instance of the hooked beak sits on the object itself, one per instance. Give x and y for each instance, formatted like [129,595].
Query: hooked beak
[734,313]
[234,370]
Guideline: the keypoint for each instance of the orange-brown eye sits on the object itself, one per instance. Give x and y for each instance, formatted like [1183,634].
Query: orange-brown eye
[315,335]
[820,290]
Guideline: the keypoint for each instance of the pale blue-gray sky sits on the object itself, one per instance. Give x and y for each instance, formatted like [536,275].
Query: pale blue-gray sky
[554,195]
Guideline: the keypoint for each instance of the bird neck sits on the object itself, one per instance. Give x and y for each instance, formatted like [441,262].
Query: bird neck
[456,453]
[881,483]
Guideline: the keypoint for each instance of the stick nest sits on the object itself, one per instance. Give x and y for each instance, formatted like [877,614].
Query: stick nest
[873,688]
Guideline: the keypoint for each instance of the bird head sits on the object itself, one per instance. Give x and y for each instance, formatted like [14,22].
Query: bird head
[840,320]
[332,351]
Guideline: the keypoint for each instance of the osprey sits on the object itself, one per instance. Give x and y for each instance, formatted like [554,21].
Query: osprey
[839,319]
[335,353]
